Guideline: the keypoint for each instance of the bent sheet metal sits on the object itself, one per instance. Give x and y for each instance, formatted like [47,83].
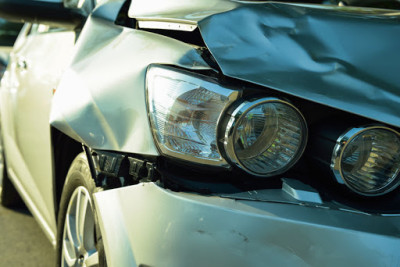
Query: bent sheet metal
[341,57]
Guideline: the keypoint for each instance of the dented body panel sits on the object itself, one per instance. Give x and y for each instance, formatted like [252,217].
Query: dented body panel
[309,51]
[326,54]
[106,109]
[172,229]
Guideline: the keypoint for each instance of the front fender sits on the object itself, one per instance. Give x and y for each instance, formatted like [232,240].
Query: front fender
[100,100]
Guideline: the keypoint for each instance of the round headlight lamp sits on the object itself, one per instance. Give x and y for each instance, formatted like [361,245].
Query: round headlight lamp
[265,137]
[367,160]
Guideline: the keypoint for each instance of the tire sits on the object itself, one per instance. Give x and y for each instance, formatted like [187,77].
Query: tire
[79,244]
[9,195]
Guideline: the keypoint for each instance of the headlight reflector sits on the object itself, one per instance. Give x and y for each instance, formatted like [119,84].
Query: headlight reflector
[265,137]
[184,112]
[367,160]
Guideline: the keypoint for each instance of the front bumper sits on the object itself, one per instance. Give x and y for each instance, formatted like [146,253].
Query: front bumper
[150,226]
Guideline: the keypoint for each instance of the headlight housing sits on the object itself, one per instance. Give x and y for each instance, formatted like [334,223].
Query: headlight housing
[193,118]
[367,160]
[184,112]
[266,136]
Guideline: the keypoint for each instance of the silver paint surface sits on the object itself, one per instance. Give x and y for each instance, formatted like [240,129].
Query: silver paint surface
[342,57]
[325,54]
[180,229]
[100,100]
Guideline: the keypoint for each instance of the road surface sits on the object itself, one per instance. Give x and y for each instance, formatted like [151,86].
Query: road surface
[22,242]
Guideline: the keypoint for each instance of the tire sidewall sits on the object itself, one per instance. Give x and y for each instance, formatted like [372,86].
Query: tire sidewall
[78,175]
[9,197]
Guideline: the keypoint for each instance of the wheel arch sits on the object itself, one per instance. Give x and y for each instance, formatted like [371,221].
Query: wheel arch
[64,149]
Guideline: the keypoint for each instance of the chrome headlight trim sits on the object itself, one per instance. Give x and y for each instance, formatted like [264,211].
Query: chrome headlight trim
[336,162]
[233,123]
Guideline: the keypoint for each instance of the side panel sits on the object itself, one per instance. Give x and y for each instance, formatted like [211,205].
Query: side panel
[101,98]
[27,92]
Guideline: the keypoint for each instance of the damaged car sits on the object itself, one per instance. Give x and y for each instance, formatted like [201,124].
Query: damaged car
[206,132]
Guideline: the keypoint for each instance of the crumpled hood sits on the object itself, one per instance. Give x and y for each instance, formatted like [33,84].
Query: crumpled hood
[340,58]
[346,58]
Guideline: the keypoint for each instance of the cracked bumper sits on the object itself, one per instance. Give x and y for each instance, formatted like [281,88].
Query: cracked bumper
[150,226]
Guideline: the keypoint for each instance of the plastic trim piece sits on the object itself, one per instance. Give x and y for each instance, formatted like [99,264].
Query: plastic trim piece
[166,25]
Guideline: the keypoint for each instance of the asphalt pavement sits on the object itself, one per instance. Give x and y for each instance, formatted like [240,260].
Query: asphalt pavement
[22,241]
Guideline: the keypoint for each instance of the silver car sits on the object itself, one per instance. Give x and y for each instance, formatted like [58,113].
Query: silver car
[206,132]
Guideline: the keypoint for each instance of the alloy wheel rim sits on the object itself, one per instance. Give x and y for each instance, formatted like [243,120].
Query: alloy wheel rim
[79,239]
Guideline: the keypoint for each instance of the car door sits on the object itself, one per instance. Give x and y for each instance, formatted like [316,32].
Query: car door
[40,55]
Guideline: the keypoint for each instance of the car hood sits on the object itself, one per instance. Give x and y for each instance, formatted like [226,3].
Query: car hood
[342,57]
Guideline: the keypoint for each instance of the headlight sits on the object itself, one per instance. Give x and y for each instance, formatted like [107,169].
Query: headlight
[367,160]
[184,112]
[266,136]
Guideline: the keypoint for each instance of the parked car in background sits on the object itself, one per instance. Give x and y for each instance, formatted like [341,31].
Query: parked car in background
[206,132]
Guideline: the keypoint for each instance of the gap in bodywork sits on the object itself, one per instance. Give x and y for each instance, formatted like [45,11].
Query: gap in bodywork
[123,19]
[178,175]
[65,149]
[387,4]
[113,169]
[190,37]
[193,37]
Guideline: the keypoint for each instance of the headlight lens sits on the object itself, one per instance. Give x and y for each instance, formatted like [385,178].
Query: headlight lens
[184,113]
[367,160]
[266,136]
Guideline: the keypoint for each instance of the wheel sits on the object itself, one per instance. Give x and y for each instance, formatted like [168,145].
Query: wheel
[9,195]
[79,241]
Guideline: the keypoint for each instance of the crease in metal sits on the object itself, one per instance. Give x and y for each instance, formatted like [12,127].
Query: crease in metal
[342,57]
[106,80]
